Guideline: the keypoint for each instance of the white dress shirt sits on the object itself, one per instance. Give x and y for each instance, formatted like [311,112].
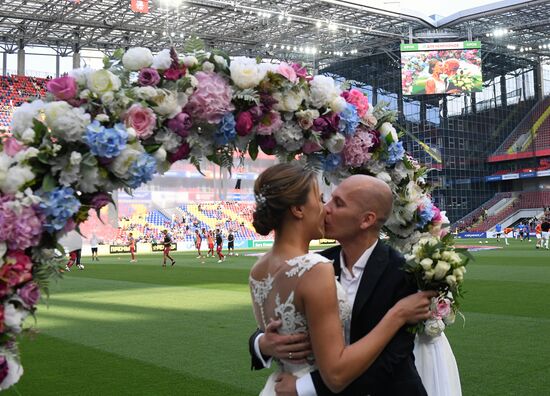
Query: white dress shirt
[350,281]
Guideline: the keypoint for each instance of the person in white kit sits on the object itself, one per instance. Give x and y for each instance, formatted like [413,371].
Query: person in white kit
[94,243]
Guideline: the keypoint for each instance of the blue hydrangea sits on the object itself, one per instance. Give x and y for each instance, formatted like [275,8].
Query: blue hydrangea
[425,213]
[226,130]
[58,206]
[142,170]
[106,142]
[349,120]
[396,152]
[332,162]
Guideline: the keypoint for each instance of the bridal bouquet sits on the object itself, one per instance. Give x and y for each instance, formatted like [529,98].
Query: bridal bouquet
[463,80]
[437,265]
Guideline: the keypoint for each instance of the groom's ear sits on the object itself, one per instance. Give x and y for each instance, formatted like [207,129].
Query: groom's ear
[297,212]
[368,219]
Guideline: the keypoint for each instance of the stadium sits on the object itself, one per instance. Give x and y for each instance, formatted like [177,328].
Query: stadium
[460,98]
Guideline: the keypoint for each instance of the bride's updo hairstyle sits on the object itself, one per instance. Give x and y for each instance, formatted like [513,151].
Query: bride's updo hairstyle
[277,189]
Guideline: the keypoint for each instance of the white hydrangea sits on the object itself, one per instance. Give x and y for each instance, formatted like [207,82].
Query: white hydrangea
[89,179]
[13,317]
[290,136]
[15,178]
[245,72]
[66,122]
[122,163]
[22,119]
[81,75]
[322,91]
[162,60]
[169,140]
[200,147]
[15,371]
[137,58]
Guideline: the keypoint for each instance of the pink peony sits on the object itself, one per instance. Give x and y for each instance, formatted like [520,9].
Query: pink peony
[182,153]
[17,268]
[356,150]
[148,77]
[142,119]
[63,88]
[311,146]
[287,71]
[180,124]
[175,73]
[20,230]
[245,123]
[270,122]
[12,146]
[358,99]
[30,293]
[212,98]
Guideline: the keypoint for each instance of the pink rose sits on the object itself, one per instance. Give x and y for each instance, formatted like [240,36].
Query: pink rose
[175,73]
[358,99]
[311,146]
[245,123]
[30,293]
[285,70]
[63,88]
[180,124]
[12,146]
[182,153]
[148,77]
[142,119]
[16,269]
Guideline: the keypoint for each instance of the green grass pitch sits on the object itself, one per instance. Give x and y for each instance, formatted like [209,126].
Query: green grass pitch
[120,328]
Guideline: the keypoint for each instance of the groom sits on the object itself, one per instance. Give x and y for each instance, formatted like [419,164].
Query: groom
[371,273]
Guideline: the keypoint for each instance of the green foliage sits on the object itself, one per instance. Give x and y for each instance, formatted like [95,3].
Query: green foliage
[248,95]
[194,45]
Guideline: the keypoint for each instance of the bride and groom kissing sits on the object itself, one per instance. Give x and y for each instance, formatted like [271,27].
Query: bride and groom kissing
[357,341]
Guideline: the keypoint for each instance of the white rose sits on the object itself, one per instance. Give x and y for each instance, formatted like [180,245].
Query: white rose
[384,176]
[429,275]
[15,371]
[75,158]
[290,101]
[370,120]
[323,91]
[434,327]
[388,129]
[162,60]
[208,67]
[220,61]
[160,155]
[190,61]
[145,93]
[169,103]
[102,81]
[426,264]
[23,116]
[131,134]
[441,269]
[13,317]
[84,94]
[338,104]
[27,136]
[122,163]
[81,75]
[449,319]
[458,273]
[451,280]
[245,72]
[102,117]
[107,98]
[137,58]
[26,154]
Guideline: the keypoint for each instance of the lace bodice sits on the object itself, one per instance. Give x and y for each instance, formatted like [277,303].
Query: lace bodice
[273,296]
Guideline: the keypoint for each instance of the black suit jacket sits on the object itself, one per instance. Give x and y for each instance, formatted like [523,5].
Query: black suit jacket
[383,283]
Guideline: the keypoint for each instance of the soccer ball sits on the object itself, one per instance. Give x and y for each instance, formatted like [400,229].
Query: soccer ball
[237,254]
[480,242]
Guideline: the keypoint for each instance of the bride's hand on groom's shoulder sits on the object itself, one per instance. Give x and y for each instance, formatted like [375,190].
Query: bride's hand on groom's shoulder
[286,385]
[292,347]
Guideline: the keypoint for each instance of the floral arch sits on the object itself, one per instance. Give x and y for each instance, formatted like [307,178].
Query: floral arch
[102,130]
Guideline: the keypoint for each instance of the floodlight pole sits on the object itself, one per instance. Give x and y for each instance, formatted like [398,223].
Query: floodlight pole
[410,34]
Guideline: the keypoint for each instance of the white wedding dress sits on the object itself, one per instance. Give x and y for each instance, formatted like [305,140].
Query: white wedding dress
[436,365]
[273,297]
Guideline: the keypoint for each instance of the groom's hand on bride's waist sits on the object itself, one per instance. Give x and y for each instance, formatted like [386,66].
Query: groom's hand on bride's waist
[292,347]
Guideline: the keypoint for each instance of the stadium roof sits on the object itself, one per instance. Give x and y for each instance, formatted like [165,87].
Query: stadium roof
[284,29]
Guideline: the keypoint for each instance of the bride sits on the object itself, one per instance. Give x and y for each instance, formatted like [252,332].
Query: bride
[299,288]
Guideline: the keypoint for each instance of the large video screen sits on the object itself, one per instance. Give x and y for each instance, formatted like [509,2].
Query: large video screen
[441,68]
